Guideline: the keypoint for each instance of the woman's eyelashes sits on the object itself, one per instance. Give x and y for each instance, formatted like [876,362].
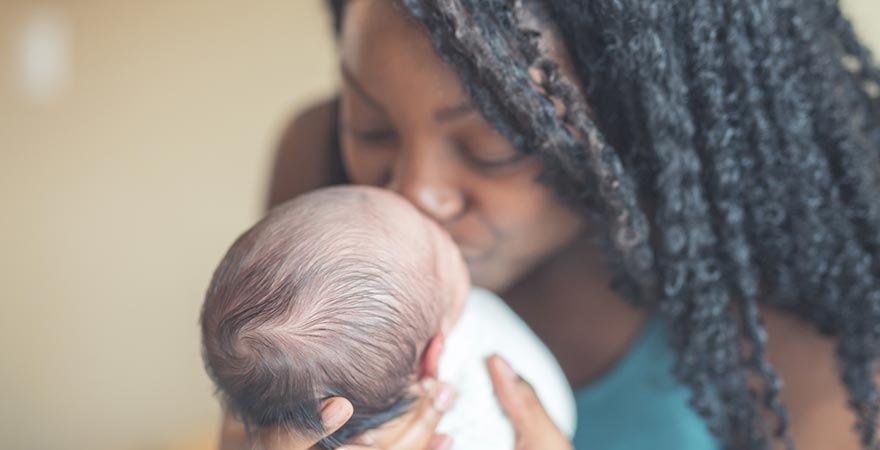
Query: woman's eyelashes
[494,162]
[488,154]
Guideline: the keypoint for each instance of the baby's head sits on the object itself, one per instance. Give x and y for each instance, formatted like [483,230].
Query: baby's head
[345,291]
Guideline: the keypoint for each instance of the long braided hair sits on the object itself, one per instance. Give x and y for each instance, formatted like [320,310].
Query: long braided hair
[751,131]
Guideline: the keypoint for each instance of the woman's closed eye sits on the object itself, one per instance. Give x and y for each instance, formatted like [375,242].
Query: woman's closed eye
[489,161]
[492,163]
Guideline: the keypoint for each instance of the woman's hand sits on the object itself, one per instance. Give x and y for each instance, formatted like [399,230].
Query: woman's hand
[533,426]
[335,412]
[417,433]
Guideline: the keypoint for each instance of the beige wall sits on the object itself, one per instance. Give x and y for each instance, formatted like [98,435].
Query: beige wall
[119,196]
[120,189]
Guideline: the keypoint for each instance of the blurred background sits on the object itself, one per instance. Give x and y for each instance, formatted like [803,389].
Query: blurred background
[135,144]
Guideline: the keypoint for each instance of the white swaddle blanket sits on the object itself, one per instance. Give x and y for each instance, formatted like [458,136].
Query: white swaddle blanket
[487,326]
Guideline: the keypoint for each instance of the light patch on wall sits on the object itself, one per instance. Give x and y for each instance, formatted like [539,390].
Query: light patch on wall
[43,54]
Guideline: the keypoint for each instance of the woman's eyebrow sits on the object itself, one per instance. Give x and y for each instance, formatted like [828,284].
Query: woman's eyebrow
[351,81]
[441,115]
[454,112]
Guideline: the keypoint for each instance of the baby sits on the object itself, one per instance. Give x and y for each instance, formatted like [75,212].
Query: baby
[351,292]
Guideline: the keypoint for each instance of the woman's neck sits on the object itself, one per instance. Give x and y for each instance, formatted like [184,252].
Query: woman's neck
[569,303]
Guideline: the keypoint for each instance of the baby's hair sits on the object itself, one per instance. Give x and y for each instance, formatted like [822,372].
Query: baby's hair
[317,301]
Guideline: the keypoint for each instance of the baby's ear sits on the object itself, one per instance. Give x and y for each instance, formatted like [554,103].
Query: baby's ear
[430,363]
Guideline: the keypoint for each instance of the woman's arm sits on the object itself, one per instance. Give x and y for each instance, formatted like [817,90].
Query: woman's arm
[307,157]
[232,433]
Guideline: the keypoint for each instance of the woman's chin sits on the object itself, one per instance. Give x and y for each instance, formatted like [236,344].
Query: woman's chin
[493,280]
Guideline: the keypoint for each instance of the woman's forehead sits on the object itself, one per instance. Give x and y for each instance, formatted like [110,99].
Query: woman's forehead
[378,34]
[388,57]
[380,39]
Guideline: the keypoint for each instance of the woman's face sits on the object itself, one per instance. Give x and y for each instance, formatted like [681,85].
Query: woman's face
[407,124]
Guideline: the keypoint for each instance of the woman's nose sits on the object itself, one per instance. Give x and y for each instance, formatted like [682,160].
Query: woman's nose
[429,183]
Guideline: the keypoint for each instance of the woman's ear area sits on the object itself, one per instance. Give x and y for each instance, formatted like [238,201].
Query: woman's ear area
[429,366]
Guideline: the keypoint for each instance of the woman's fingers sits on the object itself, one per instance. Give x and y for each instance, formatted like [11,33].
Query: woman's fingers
[440,442]
[420,433]
[335,411]
[509,392]
[533,426]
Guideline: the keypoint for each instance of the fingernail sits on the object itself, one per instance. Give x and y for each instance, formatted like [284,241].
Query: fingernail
[334,413]
[443,397]
[428,384]
[441,442]
[504,368]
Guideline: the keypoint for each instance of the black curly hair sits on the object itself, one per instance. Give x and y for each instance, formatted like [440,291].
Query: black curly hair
[750,129]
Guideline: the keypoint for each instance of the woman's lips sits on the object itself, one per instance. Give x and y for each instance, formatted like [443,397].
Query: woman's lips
[475,244]
[468,249]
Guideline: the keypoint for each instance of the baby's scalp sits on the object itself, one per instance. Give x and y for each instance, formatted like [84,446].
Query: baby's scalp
[326,296]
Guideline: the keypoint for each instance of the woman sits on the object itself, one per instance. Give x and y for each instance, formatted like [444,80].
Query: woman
[676,193]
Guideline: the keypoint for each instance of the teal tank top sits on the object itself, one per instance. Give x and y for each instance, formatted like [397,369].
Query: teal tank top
[639,405]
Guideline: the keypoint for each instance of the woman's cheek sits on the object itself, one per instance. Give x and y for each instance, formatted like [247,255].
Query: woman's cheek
[513,205]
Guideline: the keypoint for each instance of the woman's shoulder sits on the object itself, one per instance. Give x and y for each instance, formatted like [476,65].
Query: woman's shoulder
[307,156]
[815,398]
